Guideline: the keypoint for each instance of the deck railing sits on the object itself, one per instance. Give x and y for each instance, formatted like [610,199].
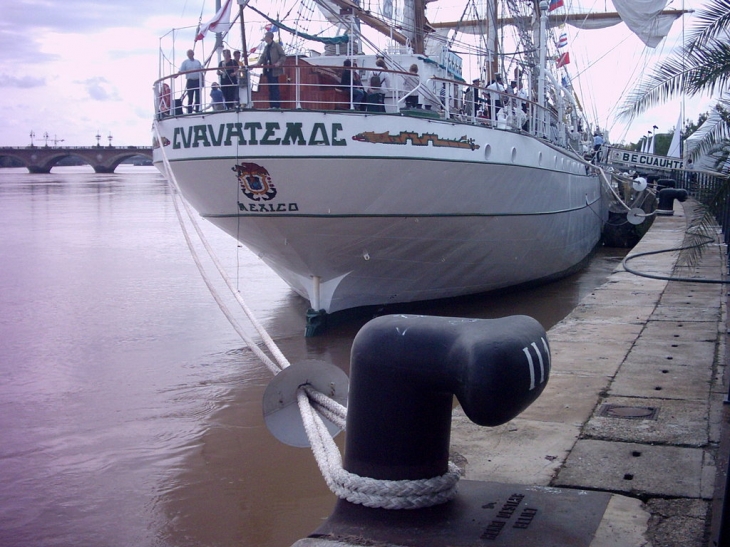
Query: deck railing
[317,87]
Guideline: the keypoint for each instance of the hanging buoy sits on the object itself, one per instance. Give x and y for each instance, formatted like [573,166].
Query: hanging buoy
[639,184]
[636,216]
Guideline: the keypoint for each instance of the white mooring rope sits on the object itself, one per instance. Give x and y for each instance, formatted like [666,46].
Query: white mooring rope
[386,494]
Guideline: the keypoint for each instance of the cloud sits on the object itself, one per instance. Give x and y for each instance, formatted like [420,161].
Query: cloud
[24,82]
[25,22]
[72,16]
[22,49]
[99,89]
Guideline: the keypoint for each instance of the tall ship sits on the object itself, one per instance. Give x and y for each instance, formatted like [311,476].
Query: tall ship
[428,167]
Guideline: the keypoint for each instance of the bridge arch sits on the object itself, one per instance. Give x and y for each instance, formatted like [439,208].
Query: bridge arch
[16,157]
[101,159]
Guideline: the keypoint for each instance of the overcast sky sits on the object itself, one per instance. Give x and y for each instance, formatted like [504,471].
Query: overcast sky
[76,68]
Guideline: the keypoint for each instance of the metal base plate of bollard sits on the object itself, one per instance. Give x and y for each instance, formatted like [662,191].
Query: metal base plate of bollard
[483,513]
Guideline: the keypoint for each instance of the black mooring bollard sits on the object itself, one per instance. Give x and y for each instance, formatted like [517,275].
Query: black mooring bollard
[666,200]
[404,371]
[661,184]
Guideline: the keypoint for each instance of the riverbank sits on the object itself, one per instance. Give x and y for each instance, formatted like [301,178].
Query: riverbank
[623,447]
[634,404]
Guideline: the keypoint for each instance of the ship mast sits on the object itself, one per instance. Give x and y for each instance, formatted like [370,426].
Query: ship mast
[419,42]
[579,20]
[372,21]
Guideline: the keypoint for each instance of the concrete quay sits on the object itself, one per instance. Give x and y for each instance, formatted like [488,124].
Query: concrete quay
[627,445]
[634,404]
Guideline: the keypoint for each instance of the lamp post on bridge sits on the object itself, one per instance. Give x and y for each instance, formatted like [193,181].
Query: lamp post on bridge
[45,138]
[98,138]
[32,136]
[110,139]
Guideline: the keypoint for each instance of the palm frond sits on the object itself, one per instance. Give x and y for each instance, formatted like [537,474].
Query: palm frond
[720,153]
[702,66]
[713,23]
[702,228]
[713,131]
[667,81]
[708,68]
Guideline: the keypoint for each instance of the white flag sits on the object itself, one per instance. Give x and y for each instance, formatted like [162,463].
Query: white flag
[674,147]
[219,23]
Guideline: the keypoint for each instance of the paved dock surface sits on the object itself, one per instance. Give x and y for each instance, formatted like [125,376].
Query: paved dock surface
[634,403]
[623,448]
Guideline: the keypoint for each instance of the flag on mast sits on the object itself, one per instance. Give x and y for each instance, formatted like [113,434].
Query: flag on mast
[219,23]
[674,148]
[564,59]
[555,4]
[653,140]
[646,143]
[563,40]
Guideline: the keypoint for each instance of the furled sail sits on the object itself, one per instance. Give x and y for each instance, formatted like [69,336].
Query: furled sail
[353,7]
[329,10]
[646,19]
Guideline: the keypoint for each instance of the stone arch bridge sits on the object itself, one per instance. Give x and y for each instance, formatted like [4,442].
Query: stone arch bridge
[104,159]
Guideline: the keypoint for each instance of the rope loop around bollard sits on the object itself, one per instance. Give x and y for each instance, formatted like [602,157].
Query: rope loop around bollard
[402,494]
[367,491]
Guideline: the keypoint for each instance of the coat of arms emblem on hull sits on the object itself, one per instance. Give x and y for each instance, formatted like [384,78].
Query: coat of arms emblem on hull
[255,181]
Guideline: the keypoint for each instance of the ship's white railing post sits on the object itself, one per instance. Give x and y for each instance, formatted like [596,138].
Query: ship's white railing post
[559,97]
[543,66]
[446,101]
[297,80]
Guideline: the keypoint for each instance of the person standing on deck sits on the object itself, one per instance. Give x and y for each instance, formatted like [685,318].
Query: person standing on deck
[350,82]
[496,92]
[227,70]
[523,105]
[272,60]
[597,144]
[471,98]
[194,80]
[410,83]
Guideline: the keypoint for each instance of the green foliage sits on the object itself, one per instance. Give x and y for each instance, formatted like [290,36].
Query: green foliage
[702,66]
[690,126]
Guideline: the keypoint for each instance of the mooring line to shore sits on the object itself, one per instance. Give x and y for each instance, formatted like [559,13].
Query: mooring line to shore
[388,494]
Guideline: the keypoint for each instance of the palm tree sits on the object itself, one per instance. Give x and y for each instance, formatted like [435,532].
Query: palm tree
[701,66]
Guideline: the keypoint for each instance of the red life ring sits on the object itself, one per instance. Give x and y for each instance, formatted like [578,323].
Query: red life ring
[164,98]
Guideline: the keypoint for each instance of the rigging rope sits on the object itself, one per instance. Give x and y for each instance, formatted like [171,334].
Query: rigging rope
[273,367]
[343,39]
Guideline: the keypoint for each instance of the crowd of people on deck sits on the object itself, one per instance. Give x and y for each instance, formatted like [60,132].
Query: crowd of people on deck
[372,91]
[368,90]
[232,89]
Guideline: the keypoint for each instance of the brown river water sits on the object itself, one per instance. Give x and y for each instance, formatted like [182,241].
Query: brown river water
[130,410]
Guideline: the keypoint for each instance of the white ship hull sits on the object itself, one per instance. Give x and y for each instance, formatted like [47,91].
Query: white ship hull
[354,210]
